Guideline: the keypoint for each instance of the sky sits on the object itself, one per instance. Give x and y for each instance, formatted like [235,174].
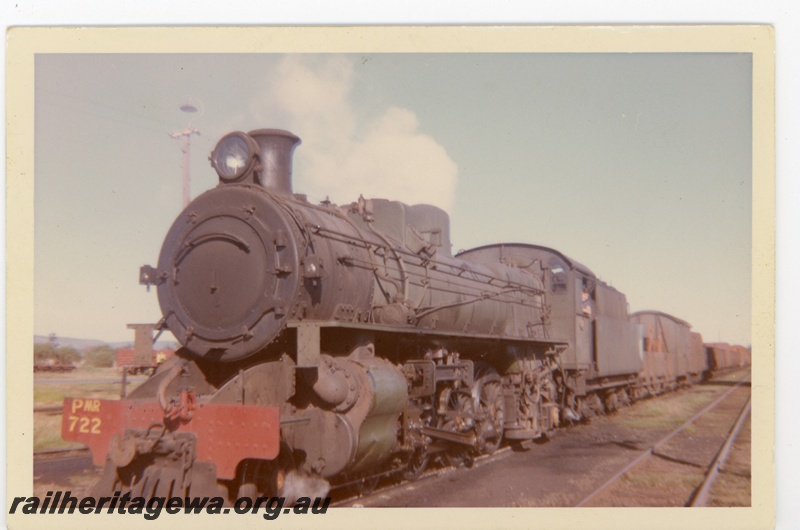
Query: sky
[636,165]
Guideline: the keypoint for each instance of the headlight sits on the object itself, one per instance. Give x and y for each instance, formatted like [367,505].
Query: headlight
[234,156]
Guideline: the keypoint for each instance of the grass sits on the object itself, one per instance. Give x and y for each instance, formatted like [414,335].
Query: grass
[655,484]
[84,372]
[661,480]
[55,394]
[666,413]
[47,432]
[731,490]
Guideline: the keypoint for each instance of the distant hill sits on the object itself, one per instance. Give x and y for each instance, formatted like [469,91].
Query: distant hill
[87,344]
[78,344]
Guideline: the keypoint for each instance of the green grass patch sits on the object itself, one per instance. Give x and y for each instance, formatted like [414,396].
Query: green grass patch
[55,394]
[47,433]
[666,411]
[731,491]
[82,372]
[663,480]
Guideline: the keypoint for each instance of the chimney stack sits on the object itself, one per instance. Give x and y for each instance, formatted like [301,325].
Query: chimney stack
[275,149]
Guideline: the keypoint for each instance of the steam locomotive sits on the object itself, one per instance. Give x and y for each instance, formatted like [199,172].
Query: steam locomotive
[338,343]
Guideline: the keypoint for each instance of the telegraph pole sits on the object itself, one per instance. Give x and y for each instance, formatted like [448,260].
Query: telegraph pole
[186,135]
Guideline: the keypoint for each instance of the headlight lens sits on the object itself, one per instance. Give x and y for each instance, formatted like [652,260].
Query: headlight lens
[234,156]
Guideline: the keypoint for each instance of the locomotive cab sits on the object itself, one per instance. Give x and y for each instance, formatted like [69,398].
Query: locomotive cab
[602,356]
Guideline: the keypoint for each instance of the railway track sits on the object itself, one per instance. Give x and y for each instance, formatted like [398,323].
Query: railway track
[699,496]
[703,493]
[566,471]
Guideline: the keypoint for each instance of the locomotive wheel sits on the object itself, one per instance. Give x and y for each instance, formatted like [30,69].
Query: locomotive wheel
[491,411]
[367,485]
[623,399]
[417,464]
[459,413]
[458,417]
[459,455]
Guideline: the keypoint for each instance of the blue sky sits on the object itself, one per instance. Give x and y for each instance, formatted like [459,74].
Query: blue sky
[637,165]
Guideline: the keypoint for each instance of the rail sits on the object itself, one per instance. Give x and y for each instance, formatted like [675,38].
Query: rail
[701,495]
[64,453]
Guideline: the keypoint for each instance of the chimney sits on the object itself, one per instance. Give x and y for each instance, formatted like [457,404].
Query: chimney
[275,150]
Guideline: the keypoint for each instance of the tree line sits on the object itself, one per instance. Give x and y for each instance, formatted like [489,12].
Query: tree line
[50,353]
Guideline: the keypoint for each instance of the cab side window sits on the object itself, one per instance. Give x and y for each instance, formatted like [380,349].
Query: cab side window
[558,277]
[584,290]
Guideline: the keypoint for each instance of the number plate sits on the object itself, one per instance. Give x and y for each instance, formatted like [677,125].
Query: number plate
[94,422]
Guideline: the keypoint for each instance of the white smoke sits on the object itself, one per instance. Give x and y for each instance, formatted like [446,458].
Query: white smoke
[344,154]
